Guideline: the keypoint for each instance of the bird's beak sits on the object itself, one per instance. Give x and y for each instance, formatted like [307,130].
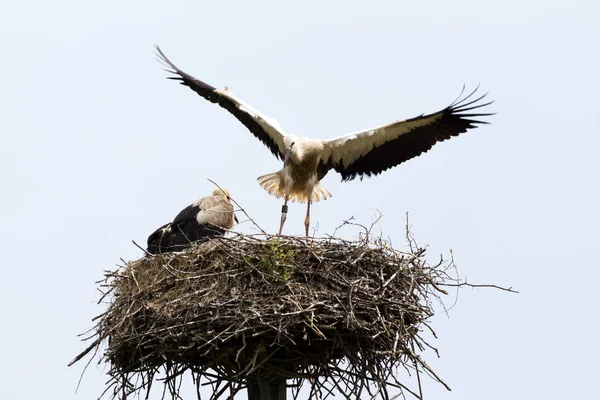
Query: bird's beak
[286,157]
[235,219]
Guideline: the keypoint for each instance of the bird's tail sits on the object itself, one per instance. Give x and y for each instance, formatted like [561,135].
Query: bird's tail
[274,184]
[320,193]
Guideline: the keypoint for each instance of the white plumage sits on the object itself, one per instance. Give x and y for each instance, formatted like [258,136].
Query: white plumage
[362,153]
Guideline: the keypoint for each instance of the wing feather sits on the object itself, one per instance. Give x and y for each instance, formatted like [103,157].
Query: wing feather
[187,214]
[266,129]
[373,151]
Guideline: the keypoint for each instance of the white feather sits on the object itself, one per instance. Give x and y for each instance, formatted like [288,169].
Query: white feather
[348,148]
[271,126]
[204,217]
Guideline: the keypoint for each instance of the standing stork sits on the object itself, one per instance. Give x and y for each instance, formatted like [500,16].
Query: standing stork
[208,217]
[364,153]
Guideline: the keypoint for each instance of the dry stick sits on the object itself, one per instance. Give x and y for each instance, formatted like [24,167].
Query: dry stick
[83,353]
[141,248]
[510,289]
[84,369]
[240,207]
[428,369]
[418,373]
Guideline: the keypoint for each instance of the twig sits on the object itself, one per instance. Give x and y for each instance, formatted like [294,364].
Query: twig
[141,248]
[509,289]
[87,350]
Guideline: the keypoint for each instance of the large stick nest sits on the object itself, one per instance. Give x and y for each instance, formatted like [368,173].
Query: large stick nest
[345,314]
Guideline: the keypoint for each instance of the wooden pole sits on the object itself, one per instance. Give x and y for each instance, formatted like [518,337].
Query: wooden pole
[262,389]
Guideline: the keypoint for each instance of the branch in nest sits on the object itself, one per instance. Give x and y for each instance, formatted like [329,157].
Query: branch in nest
[461,284]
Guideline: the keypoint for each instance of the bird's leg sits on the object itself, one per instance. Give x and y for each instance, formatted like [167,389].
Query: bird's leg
[307,219]
[284,210]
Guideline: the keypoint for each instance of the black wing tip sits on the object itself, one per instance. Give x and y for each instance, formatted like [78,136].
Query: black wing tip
[168,65]
[164,61]
[467,103]
[158,53]
[181,76]
[461,100]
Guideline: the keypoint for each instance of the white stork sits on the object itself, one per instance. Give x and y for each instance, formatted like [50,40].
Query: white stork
[208,217]
[364,153]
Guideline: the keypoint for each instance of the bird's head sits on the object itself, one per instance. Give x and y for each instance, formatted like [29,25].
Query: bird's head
[293,149]
[225,193]
[221,192]
[298,149]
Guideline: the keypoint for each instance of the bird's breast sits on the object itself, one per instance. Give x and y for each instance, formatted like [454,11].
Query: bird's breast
[300,173]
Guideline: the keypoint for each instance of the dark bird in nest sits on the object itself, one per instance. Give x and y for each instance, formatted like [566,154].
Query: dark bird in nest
[208,217]
[363,153]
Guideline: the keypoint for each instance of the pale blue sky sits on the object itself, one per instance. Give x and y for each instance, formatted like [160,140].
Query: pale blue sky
[98,148]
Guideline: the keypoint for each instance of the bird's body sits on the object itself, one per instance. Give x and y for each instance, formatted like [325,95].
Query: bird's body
[364,153]
[208,217]
[299,178]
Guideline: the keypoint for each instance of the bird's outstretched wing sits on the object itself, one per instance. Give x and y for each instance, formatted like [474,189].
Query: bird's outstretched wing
[372,151]
[264,128]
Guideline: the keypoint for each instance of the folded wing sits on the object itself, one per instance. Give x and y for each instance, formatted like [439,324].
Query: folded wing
[206,218]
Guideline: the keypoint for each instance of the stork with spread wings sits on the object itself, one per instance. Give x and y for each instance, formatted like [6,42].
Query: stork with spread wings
[369,152]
